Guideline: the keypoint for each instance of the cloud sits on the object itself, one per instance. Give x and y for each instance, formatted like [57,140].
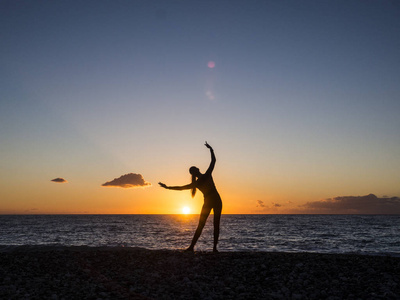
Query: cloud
[271,207]
[130,180]
[59,180]
[260,203]
[369,204]
[31,210]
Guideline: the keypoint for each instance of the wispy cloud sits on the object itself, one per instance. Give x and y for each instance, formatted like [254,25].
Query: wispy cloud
[270,207]
[59,180]
[260,203]
[369,204]
[130,180]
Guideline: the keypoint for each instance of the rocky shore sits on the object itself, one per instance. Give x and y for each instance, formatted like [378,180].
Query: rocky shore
[130,273]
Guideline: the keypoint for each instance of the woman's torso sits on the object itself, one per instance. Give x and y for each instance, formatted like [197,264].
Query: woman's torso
[206,185]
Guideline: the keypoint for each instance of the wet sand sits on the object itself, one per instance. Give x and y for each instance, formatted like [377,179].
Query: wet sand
[131,273]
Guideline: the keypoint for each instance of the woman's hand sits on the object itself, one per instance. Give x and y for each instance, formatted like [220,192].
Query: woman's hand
[208,146]
[163,185]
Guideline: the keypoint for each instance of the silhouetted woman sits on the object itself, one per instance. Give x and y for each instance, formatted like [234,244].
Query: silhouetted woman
[212,200]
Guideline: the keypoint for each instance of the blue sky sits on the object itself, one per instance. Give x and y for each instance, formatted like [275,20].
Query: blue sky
[302,104]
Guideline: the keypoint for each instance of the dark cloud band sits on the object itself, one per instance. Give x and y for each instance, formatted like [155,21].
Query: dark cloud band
[369,204]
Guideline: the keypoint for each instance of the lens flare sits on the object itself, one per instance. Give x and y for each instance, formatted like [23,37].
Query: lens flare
[211,64]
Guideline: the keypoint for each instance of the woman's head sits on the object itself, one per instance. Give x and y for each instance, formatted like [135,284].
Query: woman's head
[195,172]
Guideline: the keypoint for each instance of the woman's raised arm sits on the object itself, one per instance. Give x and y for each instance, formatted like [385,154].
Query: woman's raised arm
[213,159]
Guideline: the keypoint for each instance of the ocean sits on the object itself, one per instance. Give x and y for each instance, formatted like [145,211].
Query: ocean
[360,234]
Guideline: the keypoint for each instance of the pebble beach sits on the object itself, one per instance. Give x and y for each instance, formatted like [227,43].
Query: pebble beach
[49,272]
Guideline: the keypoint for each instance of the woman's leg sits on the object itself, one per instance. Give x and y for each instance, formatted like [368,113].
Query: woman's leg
[205,211]
[217,219]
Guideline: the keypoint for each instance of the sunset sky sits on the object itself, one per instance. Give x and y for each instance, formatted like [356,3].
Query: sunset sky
[299,99]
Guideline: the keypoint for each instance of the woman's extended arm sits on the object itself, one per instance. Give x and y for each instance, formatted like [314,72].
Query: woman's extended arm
[213,159]
[177,188]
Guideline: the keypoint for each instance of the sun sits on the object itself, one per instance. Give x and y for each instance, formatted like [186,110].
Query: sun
[186,210]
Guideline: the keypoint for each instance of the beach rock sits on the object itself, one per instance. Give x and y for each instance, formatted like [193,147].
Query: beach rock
[123,273]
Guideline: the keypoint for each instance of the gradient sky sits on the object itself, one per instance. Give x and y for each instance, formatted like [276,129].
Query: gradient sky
[302,105]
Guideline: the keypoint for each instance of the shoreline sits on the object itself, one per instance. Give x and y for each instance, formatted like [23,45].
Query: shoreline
[62,272]
[60,247]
